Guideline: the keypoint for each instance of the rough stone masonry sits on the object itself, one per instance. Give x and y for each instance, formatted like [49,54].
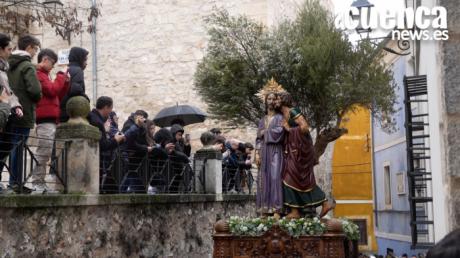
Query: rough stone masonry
[451,111]
[114,226]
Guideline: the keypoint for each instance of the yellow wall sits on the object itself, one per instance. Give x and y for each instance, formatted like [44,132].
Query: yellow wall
[352,173]
[360,211]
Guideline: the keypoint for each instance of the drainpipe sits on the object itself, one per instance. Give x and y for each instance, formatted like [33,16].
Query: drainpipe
[376,213]
[94,54]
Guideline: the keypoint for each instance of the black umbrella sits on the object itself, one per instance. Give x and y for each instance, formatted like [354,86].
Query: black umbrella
[181,114]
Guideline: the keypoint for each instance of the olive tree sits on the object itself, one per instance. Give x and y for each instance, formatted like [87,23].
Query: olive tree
[327,75]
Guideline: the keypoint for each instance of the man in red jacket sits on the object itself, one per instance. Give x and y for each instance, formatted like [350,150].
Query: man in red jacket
[48,113]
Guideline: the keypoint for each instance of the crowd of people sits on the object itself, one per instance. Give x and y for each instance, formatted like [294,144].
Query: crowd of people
[30,99]
[135,141]
[236,162]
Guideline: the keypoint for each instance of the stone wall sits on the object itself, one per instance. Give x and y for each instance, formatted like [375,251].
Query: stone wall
[451,110]
[114,226]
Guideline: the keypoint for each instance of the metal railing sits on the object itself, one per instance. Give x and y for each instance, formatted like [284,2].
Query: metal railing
[237,180]
[27,161]
[121,170]
[125,171]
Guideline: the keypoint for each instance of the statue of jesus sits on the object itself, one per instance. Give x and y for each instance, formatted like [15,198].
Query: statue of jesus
[269,154]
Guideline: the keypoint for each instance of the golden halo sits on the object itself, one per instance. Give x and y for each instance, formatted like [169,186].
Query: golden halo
[271,87]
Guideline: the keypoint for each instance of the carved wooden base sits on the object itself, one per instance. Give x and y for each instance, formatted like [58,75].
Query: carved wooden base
[277,243]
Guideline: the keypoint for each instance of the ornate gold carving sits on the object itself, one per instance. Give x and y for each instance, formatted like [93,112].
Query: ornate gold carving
[276,243]
[271,87]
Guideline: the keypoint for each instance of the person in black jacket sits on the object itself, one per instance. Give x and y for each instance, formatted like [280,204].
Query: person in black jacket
[78,58]
[178,172]
[134,151]
[98,118]
[136,146]
[133,128]
[182,144]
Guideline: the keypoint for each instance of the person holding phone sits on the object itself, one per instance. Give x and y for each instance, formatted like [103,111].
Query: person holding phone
[182,144]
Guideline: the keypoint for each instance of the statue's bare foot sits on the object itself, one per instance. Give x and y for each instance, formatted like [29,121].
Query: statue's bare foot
[276,215]
[294,214]
[327,206]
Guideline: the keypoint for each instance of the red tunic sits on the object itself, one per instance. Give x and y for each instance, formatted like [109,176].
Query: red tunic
[299,160]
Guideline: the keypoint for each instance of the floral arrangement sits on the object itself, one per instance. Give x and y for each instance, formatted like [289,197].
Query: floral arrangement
[245,226]
[303,226]
[350,229]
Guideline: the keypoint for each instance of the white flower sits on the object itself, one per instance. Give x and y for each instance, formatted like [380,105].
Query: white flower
[265,228]
[244,228]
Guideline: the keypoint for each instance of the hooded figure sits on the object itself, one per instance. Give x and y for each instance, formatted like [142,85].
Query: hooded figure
[163,137]
[23,80]
[77,63]
[180,144]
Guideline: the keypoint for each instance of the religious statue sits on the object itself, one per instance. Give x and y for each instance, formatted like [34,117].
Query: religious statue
[269,153]
[299,185]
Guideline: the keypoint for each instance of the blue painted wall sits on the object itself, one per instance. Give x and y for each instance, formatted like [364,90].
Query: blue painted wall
[381,136]
[394,220]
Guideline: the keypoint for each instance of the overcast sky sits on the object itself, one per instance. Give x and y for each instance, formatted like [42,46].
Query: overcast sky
[342,6]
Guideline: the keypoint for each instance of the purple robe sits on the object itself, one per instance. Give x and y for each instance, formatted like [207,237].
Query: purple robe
[270,142]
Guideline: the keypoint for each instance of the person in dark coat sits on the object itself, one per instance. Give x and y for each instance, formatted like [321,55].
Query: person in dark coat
[182,148]
[177,170]
[136,146]
[134,150]
[130,122]
[98,117]
[134,129]
[78,58]
[182,145]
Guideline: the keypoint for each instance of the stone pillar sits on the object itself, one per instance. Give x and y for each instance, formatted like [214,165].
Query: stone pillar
[208,167]
[82,148]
